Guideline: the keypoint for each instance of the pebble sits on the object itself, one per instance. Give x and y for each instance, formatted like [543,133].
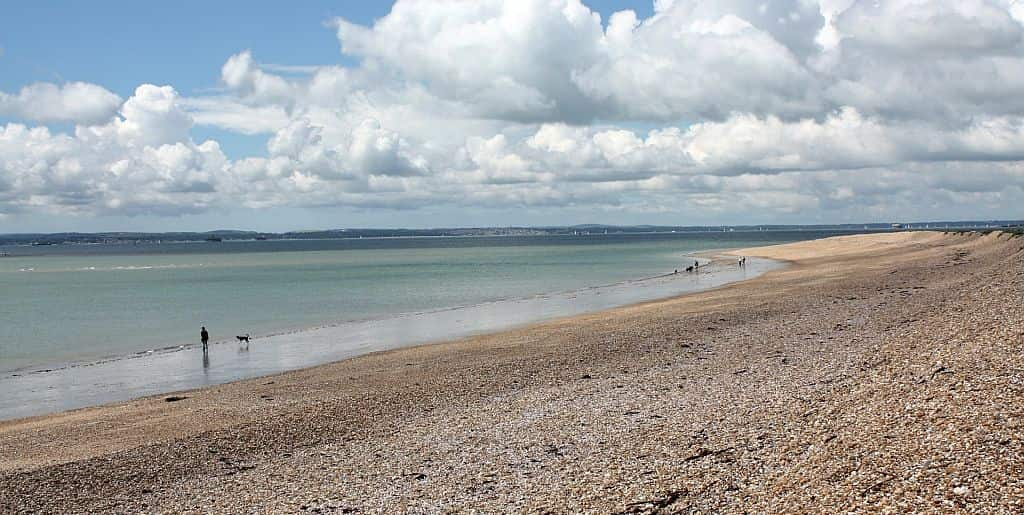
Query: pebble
[503,423]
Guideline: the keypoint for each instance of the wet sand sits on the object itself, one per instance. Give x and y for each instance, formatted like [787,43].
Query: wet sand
[877,371]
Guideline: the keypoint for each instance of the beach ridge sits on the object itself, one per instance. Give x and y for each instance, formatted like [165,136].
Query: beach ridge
[876,370]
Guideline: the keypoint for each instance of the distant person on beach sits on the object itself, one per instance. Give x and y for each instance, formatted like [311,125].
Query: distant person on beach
[205,337]
[696,264]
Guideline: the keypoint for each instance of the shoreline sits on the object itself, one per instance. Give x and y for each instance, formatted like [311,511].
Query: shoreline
[832,383]
[274,353]
[85,362]
[57,366]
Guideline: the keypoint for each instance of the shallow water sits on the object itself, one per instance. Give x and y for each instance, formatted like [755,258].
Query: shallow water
[31,393]
[84,325]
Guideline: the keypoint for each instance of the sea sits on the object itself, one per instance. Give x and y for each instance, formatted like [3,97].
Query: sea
[87,324]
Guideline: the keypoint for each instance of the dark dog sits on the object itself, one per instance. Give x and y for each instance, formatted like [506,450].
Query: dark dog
[689,268]
[243,338]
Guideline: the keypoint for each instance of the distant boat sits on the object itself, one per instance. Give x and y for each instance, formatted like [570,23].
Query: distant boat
[261,238]
[42,243]
[214,239]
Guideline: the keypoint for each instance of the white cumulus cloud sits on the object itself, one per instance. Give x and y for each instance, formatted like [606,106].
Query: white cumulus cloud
[793,110]
[77,102]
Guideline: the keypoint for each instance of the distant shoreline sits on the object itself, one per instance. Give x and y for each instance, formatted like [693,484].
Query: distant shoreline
[133,237]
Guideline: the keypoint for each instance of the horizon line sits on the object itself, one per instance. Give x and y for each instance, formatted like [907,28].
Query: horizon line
[913,224]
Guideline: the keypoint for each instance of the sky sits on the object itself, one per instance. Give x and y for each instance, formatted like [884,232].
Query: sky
[428,113]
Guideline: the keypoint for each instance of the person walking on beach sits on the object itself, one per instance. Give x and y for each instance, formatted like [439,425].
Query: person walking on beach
[205,337]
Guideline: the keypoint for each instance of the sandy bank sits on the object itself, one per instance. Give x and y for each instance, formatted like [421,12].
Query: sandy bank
[847,246]
[878,370]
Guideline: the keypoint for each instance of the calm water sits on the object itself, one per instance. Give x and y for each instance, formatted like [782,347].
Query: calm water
[83,304]
[72,303]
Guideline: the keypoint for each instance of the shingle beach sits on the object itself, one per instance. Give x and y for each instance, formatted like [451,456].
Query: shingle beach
[875,373]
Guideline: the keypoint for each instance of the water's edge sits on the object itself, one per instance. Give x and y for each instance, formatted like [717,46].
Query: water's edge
[77,385]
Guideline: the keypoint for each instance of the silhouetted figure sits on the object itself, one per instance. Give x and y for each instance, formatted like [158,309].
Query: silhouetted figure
[205,337]
[696,264]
